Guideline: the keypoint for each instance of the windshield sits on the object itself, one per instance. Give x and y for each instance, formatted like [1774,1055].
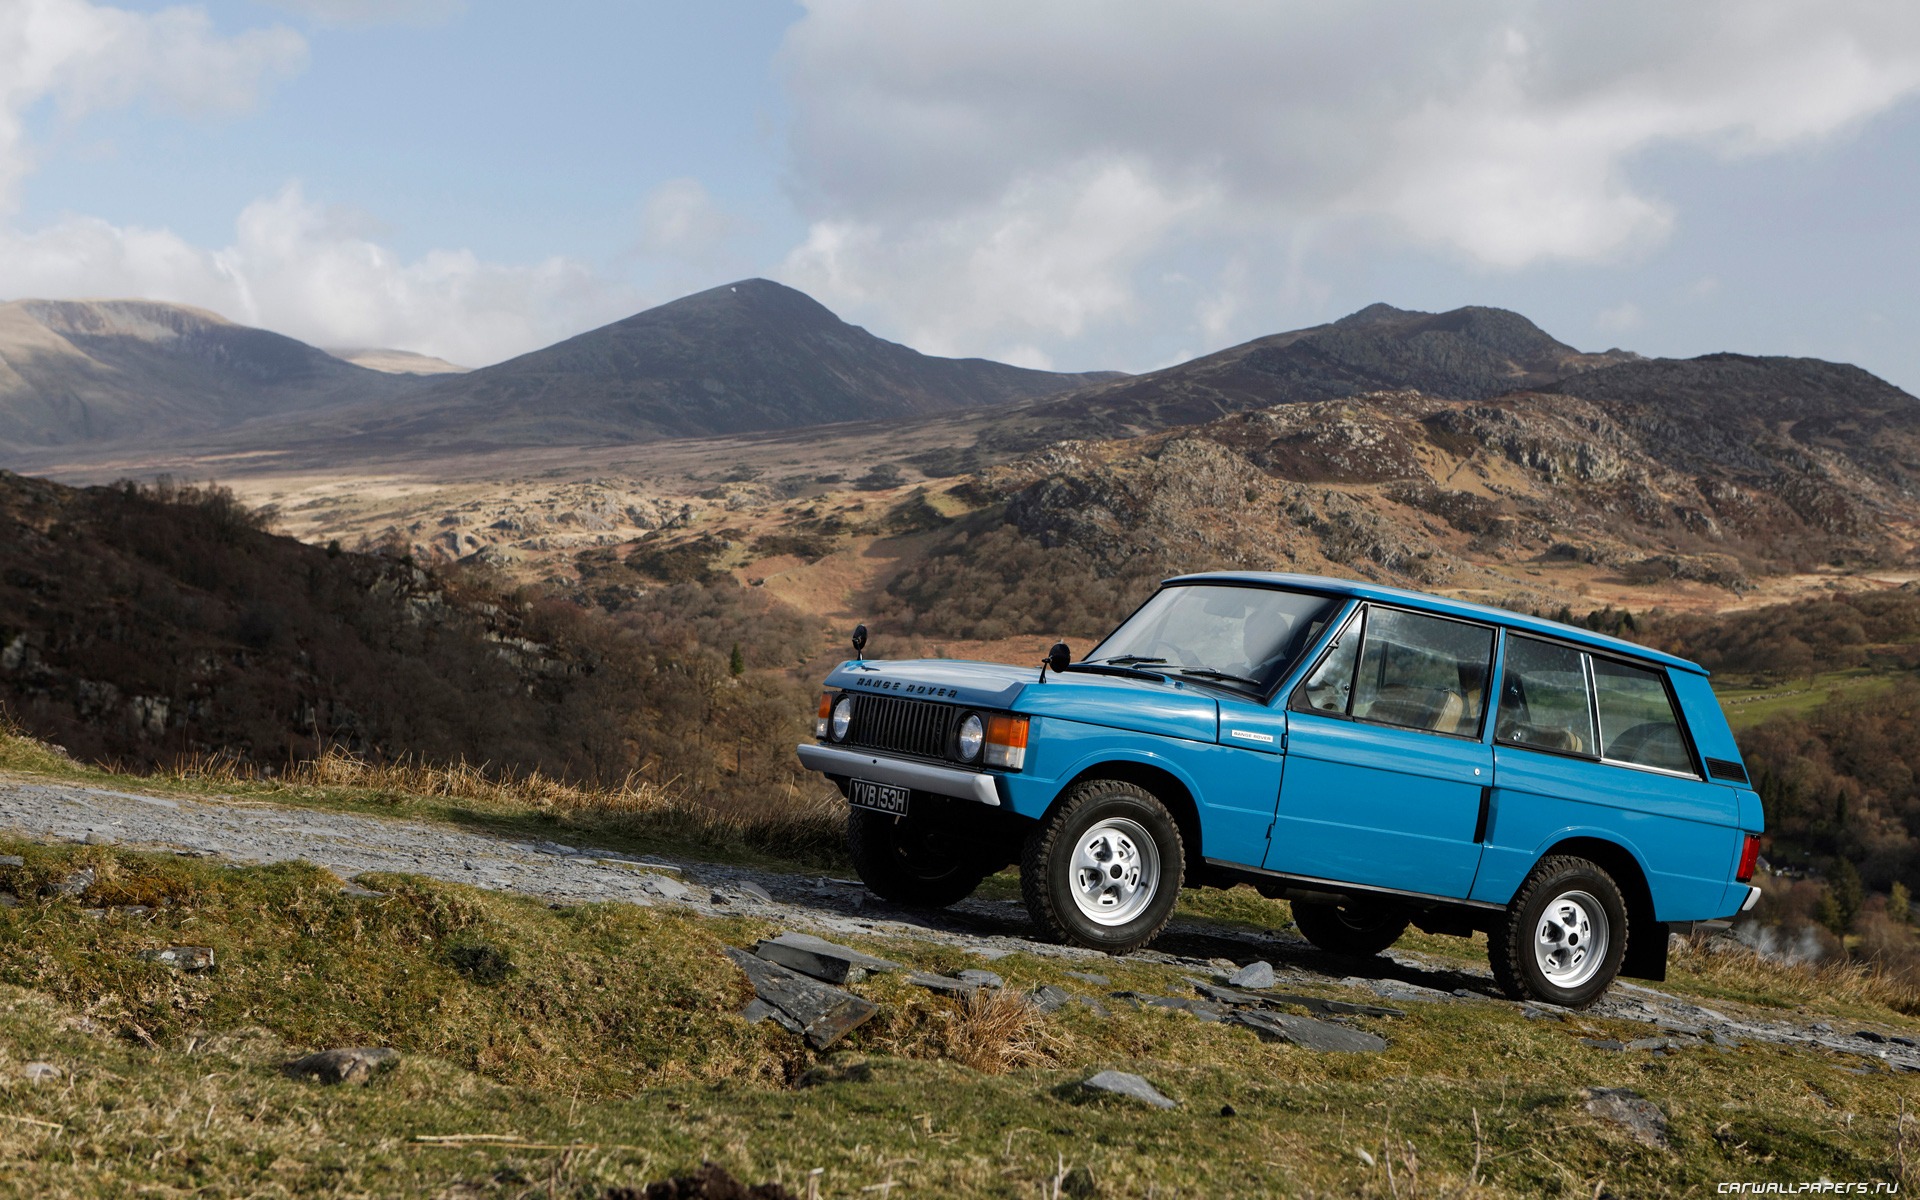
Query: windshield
[1247,637]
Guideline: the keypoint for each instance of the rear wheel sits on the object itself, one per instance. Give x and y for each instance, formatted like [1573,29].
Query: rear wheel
[913,861]
[1349,930]
[1103,869]
[1564,937]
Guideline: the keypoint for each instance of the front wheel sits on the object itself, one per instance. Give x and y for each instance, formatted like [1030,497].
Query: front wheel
[913,861]
[1349,930]
[1103,869]
[1564,937]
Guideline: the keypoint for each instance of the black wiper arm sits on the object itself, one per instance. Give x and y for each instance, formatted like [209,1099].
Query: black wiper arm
[1210,673]
[1100,668]
[1127,660]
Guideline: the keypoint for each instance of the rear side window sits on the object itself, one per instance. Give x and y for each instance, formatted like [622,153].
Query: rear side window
[1553,697]
[1637,721]
[1421,672]
[1543,698]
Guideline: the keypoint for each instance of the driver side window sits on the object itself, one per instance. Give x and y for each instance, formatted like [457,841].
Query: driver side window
[1329,689]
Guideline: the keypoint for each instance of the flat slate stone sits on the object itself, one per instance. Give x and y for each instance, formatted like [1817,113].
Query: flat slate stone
[1120,1083]
[1307,1033]
[822,959]
[945,984]
[1048,998]
[825,1014]
[351,1064]
[755,891]
[758,1010]
[12,860]
[979,978]
[1318,1004]
[1088,977]
[1253,975]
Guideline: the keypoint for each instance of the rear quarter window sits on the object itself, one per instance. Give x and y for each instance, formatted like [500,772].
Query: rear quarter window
[1637,721]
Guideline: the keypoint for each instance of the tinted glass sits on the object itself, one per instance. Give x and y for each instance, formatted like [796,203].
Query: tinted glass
[1330,686]
[1543,698]
[1252,635]
[1637,723]
[1422,672]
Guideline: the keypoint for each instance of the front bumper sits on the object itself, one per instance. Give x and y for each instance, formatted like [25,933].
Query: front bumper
[921,777]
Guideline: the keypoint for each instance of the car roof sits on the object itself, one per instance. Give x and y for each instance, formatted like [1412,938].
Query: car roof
[1362,590]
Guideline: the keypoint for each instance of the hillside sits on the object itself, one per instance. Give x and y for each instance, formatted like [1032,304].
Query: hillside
[1471,353]
[79,372]
[752,355]
[153,626]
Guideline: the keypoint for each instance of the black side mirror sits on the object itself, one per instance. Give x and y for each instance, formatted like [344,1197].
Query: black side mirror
[1058,657]
[859,640]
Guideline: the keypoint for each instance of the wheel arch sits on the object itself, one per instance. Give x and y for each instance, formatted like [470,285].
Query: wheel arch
[1646,956]
[1166,786]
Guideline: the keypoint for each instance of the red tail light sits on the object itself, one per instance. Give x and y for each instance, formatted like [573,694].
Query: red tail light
[1749,858]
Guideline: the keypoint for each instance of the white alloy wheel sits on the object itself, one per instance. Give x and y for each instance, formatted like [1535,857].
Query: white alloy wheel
[1116,871]
[1571,940]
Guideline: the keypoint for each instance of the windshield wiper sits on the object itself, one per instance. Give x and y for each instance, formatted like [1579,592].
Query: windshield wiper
[1127,660]
[1210,673]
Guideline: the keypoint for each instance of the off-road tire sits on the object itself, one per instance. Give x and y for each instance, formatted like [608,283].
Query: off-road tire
[1349,931]
[912,863]
[1046,866]
[1510,946]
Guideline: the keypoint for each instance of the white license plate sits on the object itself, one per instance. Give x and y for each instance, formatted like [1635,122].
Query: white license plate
[880,797]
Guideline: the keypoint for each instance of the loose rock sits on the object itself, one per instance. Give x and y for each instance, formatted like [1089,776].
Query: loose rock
[1307,1033]
[825,1014]
[1048,998]
[12,860]
[349,1064]
[979,978]
[185,958]
[1631,1111]
[75,883]
[1253,975]
[821,959]
[1120,1083]
[41,1072]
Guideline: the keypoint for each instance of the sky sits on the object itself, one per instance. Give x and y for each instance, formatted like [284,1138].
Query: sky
[1074,184]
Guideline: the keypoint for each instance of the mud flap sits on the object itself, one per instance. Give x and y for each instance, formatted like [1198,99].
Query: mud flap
[1646,952]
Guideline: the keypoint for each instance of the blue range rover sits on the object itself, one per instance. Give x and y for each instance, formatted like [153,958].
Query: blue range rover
[1378,757]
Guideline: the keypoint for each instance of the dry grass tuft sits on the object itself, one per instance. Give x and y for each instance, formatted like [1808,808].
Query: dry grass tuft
[1739,969]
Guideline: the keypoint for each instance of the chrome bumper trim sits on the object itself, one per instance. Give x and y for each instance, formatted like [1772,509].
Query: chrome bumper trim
[1753,897]
[924,777]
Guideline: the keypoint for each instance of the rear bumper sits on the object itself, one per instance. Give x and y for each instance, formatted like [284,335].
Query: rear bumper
[921,777]
[1753,898]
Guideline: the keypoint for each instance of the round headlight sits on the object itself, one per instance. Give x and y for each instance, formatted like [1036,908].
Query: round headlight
[973,735]
[842,718]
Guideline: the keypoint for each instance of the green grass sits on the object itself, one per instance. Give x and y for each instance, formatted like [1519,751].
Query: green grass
[609,1054]
[1751,702]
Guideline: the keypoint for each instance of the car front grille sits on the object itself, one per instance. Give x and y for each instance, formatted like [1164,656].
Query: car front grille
[917,727]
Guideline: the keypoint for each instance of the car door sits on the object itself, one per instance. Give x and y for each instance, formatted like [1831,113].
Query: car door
[1386,760]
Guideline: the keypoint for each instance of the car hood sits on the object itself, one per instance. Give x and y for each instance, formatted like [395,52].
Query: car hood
[1173,709]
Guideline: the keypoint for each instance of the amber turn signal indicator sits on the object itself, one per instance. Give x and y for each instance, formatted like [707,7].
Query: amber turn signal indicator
[1006,742]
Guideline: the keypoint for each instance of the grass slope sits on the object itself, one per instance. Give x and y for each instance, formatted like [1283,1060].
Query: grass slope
[560,1051]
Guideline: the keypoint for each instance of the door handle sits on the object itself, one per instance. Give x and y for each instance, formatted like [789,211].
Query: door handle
[1486,811]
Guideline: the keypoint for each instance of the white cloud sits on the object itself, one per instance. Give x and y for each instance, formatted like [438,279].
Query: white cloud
[84,57]
[977,169]
[297,268]
[679,219]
